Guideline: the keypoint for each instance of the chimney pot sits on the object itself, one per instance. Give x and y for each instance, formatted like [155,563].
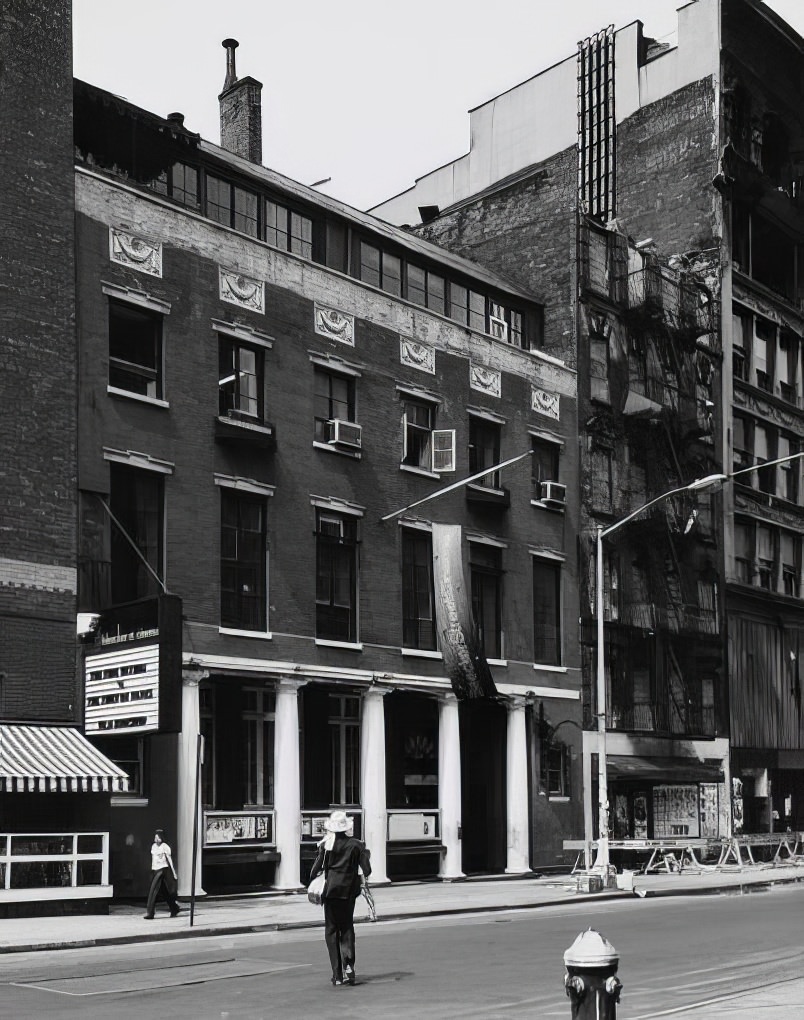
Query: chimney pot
[230,45]
[176,118]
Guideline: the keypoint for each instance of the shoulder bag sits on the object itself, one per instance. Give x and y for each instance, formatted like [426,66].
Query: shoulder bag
[315,890]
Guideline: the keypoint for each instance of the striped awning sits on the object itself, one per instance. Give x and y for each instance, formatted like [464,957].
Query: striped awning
[54,759]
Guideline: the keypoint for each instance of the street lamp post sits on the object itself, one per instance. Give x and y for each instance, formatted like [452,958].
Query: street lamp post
[698,485]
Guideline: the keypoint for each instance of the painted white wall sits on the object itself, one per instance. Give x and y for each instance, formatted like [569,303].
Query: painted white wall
[538,118]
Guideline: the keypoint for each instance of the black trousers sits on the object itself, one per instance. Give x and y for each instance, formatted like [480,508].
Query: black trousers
[162,881]
[339,931]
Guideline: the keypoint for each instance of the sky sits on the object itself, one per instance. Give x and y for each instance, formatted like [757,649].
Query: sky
[369,93]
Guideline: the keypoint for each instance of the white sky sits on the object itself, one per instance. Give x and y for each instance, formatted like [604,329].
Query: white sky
[370,93]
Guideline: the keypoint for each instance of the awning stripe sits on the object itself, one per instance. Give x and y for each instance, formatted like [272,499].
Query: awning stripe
[54,758]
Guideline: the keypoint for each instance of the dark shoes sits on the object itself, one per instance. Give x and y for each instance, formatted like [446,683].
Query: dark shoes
[336,980]
[147,917]
[174,912]
[349,974]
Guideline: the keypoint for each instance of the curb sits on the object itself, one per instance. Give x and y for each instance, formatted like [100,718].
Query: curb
[400,915]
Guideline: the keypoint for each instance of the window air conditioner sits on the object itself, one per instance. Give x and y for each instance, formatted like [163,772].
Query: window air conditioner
[553,493]
[344,433]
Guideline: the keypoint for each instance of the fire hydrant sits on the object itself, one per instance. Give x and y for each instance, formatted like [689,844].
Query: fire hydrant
[591,980]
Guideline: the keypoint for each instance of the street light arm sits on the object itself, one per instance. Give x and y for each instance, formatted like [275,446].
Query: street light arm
[767,463]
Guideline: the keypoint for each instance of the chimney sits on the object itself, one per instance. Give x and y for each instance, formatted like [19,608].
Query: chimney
[241,112]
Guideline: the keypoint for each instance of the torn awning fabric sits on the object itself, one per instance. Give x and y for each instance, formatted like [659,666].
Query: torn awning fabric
[54,759]
[464,660]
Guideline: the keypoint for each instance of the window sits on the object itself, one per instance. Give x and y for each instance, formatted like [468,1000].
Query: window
[232,206]
[486,567]
[544,463]
[546,612]
[788,473]
[787,365]
[555,765]
[418,613]
[765,557]
[743,552]
[380,269]
[135,349]
[136,499]
[288,230]
[418,425]
[741,444]
[790,551]
[128,753]
[425,288]
[336,577]
[467,307]
[334,399]
[766,476]
[611,587]
[344,742]
[240,379]
[741,330]
[599,364]
[179,183]
[206,700]
[243,561]
[764,340]
[257,746]
[484,450]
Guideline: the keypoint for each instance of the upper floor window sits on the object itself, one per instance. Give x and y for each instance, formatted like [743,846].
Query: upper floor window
[418,603]
[484,450]
[467,307]
[135,349]
[336,577]
[136,498]
[380,269]
[486,567]
[426,289]
[289,230]
[768,557]
[232,206]
[555,767]
[424,446]
[244,568]
[334,399]
[128,753]
[240,379]
[546,612]
[179,183]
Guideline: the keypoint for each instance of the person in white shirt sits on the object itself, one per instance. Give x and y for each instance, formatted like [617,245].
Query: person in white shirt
[163,876]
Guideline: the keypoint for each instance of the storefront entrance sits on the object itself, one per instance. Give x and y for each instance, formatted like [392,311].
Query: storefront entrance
[483,810]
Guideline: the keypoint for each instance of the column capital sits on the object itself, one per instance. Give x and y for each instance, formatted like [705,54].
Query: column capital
[290,684]
[447,697]
[514,702]
[378,690]
[192,676]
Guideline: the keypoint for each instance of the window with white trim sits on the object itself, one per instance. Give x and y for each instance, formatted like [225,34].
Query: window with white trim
[258,721]
[547,638]
[135,349]
[244,569]
[344,742]
[241,380]
[336,577]
[334,401]
[424,446]
[556,769]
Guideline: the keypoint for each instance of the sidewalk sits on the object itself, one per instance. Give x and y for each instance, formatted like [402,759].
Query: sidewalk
[279,911]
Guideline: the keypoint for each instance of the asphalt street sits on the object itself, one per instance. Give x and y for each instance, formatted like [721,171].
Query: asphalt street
[684,956]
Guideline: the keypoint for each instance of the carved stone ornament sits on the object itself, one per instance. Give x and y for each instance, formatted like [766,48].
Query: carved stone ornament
[135,252]
[545,403]
[487,380]
[416,355]
[336,325]
[765,408]
[242,290]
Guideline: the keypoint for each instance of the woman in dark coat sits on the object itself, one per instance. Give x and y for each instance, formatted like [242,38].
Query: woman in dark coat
[339,857]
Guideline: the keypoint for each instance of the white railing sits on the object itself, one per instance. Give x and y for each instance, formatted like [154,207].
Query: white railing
[54,865]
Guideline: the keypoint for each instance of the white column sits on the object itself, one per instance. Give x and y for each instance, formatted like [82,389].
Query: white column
[287,784]
[589,745]
[449,785]
[372,780]
[189,806]
[517,813]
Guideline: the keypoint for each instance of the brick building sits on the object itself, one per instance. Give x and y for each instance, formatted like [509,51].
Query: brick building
[273,386]
[655,212]
[52,781]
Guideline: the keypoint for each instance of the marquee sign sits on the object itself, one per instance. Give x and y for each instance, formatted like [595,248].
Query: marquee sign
[133,674]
